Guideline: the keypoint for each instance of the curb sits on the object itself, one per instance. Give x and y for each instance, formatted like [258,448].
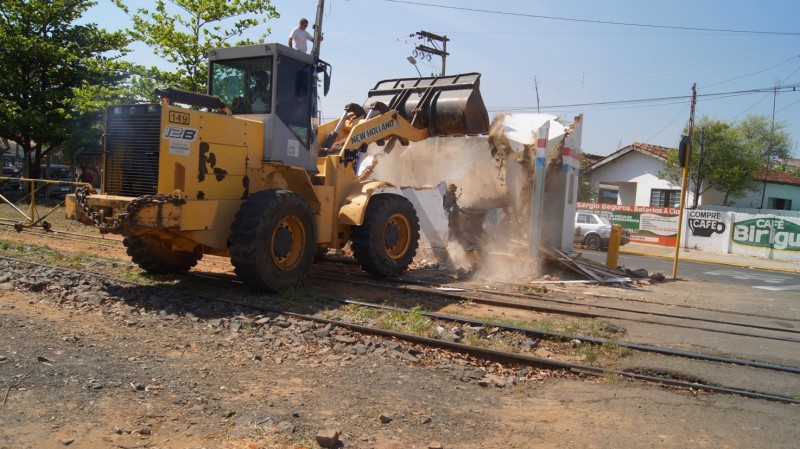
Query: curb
[712,262]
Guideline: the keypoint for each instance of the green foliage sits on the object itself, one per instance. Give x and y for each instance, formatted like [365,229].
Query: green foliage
[585,191]
[726,157]
[580,326]
[412,321]
[46,59]
[183,31]
[360,314]
[771,140]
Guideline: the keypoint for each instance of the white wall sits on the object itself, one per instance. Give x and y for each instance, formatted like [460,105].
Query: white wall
[753,199]
[637,169]
[627,193]
[733,227]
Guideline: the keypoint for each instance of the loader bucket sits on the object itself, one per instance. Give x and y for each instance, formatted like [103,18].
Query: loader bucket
[446,105]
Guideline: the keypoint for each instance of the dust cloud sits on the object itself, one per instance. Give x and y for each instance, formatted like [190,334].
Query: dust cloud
[490,186]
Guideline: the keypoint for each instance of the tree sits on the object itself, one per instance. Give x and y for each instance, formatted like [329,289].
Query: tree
[184,31]
[585,191]
[721,159]
[767,137]
[45,60]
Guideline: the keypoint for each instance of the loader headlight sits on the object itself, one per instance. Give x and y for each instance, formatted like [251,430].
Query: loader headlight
[152,109]
[116,110]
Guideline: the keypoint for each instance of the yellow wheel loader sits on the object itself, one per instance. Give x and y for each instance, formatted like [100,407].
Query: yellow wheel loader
[246,171]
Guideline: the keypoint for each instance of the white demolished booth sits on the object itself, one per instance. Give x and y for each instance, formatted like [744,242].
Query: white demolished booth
[510,191]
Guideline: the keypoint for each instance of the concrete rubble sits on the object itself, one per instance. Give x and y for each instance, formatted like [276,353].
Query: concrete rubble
[475,194]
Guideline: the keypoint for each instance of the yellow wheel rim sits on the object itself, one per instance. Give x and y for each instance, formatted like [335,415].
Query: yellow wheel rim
[397,236]
[288,239]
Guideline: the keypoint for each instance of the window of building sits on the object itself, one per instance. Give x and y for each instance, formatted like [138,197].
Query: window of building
[779,203]
[665,198]
[607,196]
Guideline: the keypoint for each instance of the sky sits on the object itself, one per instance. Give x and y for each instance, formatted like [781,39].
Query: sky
[627,66]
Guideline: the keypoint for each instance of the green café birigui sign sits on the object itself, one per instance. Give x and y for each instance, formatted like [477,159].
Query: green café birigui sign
[775,233]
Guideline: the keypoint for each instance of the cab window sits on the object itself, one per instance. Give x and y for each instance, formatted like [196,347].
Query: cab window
[294,96]
[243,84]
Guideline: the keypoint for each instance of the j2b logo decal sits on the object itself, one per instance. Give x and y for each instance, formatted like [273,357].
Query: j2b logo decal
[180,118]
[176,132]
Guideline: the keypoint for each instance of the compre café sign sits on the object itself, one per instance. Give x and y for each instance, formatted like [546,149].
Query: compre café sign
[774,233]
[703,223]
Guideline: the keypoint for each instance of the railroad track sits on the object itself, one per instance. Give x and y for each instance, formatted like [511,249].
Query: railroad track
[524,301]
[544,305]
[243,299]
[538,333]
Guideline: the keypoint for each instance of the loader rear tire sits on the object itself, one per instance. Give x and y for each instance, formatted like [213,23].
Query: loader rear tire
[155,258]
[386,243]
[272,242]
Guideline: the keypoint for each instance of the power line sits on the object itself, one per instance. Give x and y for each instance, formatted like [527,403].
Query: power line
[680,113]
[787,88]
[754,73]
[751,106]
[602,22]
[788,106]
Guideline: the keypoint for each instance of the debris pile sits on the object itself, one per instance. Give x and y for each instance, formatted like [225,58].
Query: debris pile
[587,268]
[598,272]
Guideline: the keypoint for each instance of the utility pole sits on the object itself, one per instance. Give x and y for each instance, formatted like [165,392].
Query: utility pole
[688,157]
[536,86]
[318,30]
[769,148]
[699,177]
[430,37]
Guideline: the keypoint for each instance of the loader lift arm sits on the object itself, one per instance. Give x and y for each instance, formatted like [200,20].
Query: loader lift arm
[408,109]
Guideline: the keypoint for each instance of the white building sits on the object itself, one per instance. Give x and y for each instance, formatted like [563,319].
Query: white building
[630,176]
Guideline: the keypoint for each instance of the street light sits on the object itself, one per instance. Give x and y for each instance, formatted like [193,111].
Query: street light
[414,63]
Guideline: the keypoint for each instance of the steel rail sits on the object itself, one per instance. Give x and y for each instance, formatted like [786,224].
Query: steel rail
[619,309]
[554,310]
[487,354]
[505,357]
[584,339]
[541,297]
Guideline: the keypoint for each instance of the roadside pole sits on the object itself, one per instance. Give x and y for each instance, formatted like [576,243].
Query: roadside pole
[537,196]
[685,156]
[612,256]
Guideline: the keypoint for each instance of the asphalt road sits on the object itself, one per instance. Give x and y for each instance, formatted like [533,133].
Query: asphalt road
[779,284]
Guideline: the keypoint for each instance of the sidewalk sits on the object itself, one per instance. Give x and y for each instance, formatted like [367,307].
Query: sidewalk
[734,260]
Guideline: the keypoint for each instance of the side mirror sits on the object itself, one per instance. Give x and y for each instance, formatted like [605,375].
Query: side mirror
[325,68]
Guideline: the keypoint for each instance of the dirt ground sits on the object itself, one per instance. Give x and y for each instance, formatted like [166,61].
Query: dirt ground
[78,370]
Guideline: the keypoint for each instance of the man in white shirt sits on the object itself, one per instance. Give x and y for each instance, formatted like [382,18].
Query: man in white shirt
[300,37]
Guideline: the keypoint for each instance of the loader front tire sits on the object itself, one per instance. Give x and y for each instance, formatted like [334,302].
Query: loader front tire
[386,243]
[155,258]
[272,240]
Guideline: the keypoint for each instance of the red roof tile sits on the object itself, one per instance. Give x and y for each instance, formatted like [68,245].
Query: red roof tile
[777,177]
[656,151]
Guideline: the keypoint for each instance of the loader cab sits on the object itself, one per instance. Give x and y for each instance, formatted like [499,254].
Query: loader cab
[276,85]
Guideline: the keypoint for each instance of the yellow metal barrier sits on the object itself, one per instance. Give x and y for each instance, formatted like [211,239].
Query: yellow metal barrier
[32,217]
[612,259]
